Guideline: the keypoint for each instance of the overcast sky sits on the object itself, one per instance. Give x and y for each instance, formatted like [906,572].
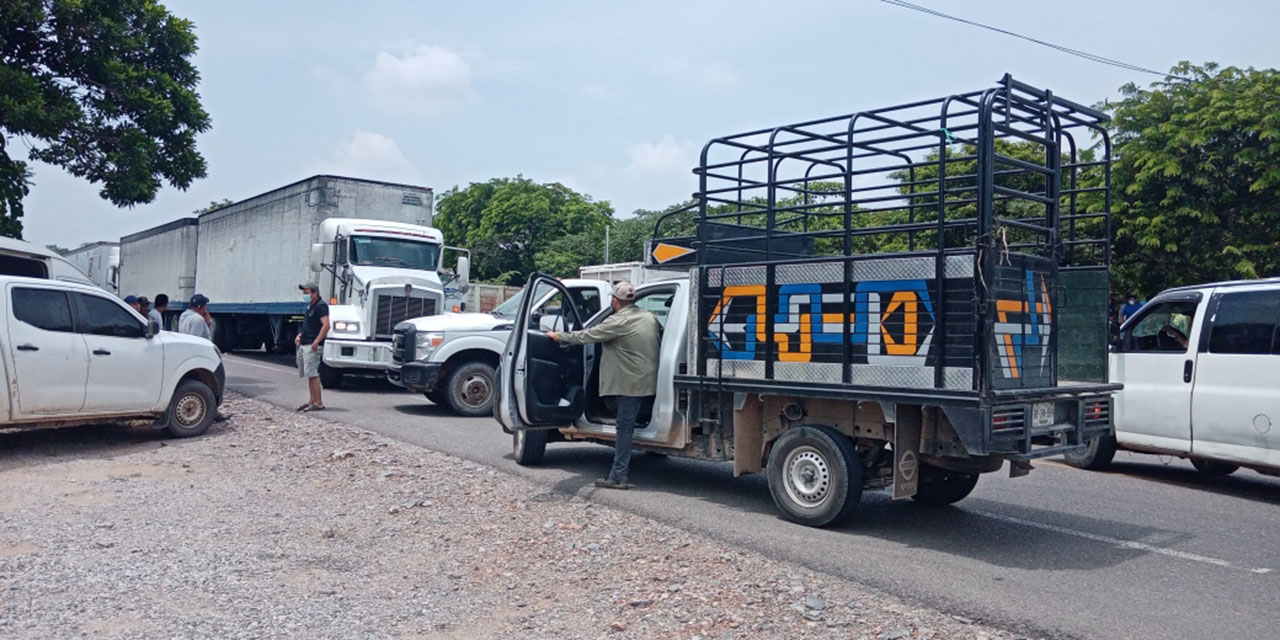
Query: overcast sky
[613,99]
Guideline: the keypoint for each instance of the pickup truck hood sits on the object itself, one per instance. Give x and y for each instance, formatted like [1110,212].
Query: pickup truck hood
[458,322]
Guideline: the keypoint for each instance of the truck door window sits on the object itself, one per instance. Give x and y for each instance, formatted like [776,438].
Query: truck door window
[42,308]
[1246,323]
[1162,327]
[658,303]
[102,317]
[587,301]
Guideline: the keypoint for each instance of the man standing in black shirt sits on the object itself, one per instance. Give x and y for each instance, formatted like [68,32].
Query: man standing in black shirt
[310,344]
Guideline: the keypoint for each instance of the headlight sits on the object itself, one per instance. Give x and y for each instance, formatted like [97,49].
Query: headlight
[346,327]
[427,342]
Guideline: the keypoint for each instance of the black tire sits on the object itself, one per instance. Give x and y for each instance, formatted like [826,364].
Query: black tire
[815,476]
[1211,468]
[1096,457]
[939,487]
[191,410]
[330,378]
[437,396]
[528,446]
[469,389]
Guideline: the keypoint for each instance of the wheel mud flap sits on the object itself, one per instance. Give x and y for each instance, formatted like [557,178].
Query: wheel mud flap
[748,434]
[906,451]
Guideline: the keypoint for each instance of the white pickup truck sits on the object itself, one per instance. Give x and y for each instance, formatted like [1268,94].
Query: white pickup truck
[73,354]
[452,358]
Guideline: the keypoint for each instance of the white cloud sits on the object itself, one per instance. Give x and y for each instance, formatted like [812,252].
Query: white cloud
[370,155]
[664,156]
[703,74]
[427,80]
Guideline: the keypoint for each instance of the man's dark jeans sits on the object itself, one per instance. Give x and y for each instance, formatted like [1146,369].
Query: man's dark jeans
[627,411]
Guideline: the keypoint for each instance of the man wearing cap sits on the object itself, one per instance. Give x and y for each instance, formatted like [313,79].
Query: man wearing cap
[310,344]
[195,320]
[628,369]
[132,301]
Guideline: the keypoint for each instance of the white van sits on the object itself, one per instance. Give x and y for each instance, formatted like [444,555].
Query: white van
[1201,373]
[19,258]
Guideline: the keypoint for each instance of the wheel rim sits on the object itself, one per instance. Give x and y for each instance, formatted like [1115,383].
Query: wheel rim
[190,410]
[475,390]
[807,476]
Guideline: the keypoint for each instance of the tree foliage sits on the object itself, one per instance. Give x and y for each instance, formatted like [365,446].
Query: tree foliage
[104,89]
[213,206]
[514,225]
[1197,178]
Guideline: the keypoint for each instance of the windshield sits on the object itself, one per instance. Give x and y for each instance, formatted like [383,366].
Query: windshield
[509,308]
[394,252]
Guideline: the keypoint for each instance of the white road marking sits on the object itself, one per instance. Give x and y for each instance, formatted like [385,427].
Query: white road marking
[249,363]
[1128,544]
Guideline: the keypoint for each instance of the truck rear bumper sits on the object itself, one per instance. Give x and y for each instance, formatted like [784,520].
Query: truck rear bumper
[357,354]
[419,377]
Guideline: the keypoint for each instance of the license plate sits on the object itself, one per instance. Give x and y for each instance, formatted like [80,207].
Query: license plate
[1042,414]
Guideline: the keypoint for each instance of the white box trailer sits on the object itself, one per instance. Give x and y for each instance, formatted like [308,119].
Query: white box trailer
[100,261]
[368,244]
[257,251]
[634,272]
[161,260]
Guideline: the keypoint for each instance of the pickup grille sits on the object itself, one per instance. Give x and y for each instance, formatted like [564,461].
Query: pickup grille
[392,310]
[404,345]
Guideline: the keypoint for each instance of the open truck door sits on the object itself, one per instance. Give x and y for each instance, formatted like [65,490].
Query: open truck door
[542,383]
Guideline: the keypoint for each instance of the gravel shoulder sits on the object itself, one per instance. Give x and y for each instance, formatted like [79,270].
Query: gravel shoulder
[281,525]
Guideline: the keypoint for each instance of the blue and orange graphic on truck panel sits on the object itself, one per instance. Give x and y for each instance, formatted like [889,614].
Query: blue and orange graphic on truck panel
[889,321]
[1023,328]
[893,322]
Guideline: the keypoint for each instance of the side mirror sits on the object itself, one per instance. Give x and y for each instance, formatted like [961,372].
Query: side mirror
[153,328]
[551,323]
[463,274]
[317,257]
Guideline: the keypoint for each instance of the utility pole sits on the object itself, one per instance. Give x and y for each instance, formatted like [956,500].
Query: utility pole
[606,245]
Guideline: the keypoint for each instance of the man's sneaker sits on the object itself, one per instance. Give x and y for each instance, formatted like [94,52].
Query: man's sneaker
[605,483]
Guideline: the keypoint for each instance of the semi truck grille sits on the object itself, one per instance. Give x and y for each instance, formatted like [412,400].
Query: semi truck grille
[392,310]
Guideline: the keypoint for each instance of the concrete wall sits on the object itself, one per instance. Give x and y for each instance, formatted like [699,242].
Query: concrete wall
[160,260]
[259,250]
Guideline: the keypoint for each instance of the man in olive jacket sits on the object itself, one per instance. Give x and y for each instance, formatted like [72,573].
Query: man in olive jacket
[628,369]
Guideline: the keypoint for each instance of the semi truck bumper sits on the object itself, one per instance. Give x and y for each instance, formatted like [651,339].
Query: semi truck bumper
[419,377]
[357,354]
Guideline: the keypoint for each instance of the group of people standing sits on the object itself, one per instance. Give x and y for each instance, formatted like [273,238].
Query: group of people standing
[195,320]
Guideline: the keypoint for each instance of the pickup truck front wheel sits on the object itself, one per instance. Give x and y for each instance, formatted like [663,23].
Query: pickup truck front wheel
[330,378]
[470,389]
[815,476]
[528,447]
[191,410]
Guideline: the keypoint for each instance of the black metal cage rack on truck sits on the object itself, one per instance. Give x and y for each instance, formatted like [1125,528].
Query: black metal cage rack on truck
[950,252]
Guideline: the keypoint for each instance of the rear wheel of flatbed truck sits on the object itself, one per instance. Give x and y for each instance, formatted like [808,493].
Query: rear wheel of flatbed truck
[940,487]
[815,476]
[1095,457]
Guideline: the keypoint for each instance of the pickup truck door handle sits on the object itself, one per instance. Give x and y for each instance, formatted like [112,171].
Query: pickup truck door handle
[28,347]
[1186,371]
[101,352]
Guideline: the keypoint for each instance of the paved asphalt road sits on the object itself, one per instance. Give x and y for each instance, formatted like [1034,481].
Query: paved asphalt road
[1149,550]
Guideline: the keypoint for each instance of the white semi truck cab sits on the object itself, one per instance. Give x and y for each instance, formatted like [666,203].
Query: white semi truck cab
[376,274]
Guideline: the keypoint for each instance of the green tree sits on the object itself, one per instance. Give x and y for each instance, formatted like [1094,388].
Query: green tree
[1197,177]
[213,206]
[507,222]
[104,89]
